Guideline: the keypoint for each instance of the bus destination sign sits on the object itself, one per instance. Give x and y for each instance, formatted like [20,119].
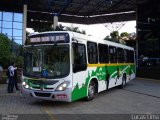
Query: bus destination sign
[49,38]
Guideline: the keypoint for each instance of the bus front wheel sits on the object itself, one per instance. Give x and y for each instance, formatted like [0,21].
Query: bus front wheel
[91,91]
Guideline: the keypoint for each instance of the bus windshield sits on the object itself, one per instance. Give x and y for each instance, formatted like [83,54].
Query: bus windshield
[50,61]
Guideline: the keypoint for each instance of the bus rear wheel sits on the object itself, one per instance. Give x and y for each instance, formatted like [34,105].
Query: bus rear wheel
[91,91]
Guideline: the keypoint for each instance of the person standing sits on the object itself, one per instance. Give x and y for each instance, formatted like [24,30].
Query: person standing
[16,79]
[11,79]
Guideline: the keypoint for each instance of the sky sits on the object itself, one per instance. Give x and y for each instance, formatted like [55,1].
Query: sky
[99,30]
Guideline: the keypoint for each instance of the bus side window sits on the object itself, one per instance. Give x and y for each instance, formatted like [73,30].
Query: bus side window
[113,54]
[128,56]
[79,57]
[125,56]
[131,56]
[92,53]
[103,53]
[120,55]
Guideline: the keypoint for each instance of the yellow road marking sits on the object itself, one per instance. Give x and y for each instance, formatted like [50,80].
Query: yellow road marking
[49,113]
[139,78]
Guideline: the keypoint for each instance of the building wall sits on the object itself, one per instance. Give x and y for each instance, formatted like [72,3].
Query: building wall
[148,25]
[148,30]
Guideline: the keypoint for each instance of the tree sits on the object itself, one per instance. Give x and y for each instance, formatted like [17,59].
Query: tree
[123,37]
[60,27]
[75,29]
[5,50]
[115,36]
[124,34]
[108,38]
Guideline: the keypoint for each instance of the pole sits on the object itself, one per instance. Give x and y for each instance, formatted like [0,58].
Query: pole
[55,21]
[137,33]
[24,23]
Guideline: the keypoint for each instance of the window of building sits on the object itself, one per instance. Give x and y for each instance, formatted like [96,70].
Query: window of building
[103,53]
[7,32]
[92,52]
[7,24]
[120,55]
[11,25]
[112,54]
[0,23]
[17,25]
[18,17]
[0,16]
[7,16]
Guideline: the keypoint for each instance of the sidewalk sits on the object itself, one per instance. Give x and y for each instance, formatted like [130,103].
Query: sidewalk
[3,90]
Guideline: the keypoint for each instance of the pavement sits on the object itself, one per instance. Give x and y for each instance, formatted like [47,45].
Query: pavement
[141,96]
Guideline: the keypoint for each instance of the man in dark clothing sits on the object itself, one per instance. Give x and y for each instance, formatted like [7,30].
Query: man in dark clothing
[11,78]
[16,79]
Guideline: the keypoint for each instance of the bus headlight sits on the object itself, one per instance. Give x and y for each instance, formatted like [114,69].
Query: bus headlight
[25,85]
[63,86]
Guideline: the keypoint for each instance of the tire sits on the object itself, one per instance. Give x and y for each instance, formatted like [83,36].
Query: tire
[123,84]
[91,91]
[107,84]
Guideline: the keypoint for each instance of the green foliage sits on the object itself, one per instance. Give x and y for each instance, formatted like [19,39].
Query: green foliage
[5,50]
[114,34]
[114,37]
[19,61]
[6,57]
[124,34]
[107,38]
[60,27]
[75,29]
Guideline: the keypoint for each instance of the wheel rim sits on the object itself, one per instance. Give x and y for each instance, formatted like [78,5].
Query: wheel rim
[91,90]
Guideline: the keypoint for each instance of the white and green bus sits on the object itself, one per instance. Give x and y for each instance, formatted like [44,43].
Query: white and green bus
[67,66]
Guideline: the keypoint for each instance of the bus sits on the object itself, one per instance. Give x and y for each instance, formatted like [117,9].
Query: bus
[67,66]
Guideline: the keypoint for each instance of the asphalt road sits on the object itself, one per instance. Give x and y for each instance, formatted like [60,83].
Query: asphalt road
[141,96]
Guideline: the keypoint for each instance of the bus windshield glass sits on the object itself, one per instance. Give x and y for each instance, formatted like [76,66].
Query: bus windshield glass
[48,61]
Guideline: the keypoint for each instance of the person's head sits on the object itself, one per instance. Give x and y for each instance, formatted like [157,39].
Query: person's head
[13,64]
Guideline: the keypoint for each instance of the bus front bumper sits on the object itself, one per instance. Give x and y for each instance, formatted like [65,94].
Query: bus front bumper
[48,95]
